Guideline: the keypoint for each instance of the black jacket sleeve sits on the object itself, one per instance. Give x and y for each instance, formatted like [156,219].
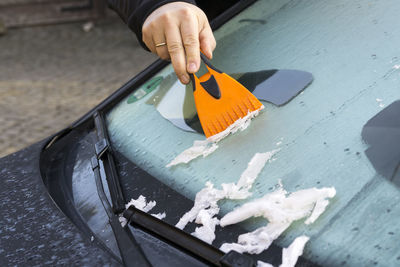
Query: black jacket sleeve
[135,12]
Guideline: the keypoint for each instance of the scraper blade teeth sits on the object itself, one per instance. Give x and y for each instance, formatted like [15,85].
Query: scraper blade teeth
[255,102]
[228,119]
[223,121]
[207,131]
[217,125]
[244,109]
[212,128]
[238,111]
[234,113]
[218,128]
[250,104]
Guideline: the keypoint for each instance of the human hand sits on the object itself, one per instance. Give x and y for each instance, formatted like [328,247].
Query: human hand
[177,31]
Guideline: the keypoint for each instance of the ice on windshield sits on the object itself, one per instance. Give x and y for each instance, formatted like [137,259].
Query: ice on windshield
[281,210]
[350,47]
[206,201]
[208,146]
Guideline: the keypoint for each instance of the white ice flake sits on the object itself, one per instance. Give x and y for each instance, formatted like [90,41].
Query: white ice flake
[291,254]
[208,146]
[206,232]
[200,147]
[280,209]
[141,204]
[206,200]
[159,215]
[257,241]
[240,190]
[122,220]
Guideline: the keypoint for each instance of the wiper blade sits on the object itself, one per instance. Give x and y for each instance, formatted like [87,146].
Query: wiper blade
[185,241]
[131,253]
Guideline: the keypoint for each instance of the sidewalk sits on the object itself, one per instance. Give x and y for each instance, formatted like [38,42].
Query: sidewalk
[50,76]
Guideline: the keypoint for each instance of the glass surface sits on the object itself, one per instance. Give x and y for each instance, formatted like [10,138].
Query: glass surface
[352,50]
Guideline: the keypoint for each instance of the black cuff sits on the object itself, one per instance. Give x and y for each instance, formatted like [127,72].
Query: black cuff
[136,19]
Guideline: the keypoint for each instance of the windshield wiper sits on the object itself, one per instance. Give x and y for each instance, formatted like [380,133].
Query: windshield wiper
[103,152]
[131,253]
[185,241]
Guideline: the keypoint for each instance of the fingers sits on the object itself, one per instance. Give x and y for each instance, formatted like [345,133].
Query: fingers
[190,36]
[147,38]
[185,30]
[152,36]
[207,41]
[176,53]
[161,46]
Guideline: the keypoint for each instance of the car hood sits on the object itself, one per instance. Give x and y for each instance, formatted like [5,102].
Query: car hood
[33,230]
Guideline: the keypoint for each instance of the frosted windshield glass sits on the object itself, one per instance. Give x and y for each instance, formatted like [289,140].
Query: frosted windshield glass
[352,50]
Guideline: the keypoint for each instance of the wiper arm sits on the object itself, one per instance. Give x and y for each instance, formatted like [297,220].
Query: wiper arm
[131,253]
[103,152]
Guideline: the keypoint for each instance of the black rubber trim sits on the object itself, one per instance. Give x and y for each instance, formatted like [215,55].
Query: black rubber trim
[208,62]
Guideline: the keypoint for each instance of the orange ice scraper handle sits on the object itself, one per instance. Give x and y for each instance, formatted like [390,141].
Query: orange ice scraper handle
[207,82]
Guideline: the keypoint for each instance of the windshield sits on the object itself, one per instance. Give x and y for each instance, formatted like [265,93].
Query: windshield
[351,49]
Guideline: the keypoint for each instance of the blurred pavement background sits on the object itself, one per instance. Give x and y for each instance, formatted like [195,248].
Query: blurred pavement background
[52,75]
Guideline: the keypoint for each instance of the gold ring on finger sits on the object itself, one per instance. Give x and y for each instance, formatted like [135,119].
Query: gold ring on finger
[160,44]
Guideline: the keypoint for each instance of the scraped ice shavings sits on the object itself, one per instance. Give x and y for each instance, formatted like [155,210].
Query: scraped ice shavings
[141,204]
[208,146]
[159,215]
[280,209]
[291,254]
[205,204]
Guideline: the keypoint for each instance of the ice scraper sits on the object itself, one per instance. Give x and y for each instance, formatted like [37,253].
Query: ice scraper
[220,100]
